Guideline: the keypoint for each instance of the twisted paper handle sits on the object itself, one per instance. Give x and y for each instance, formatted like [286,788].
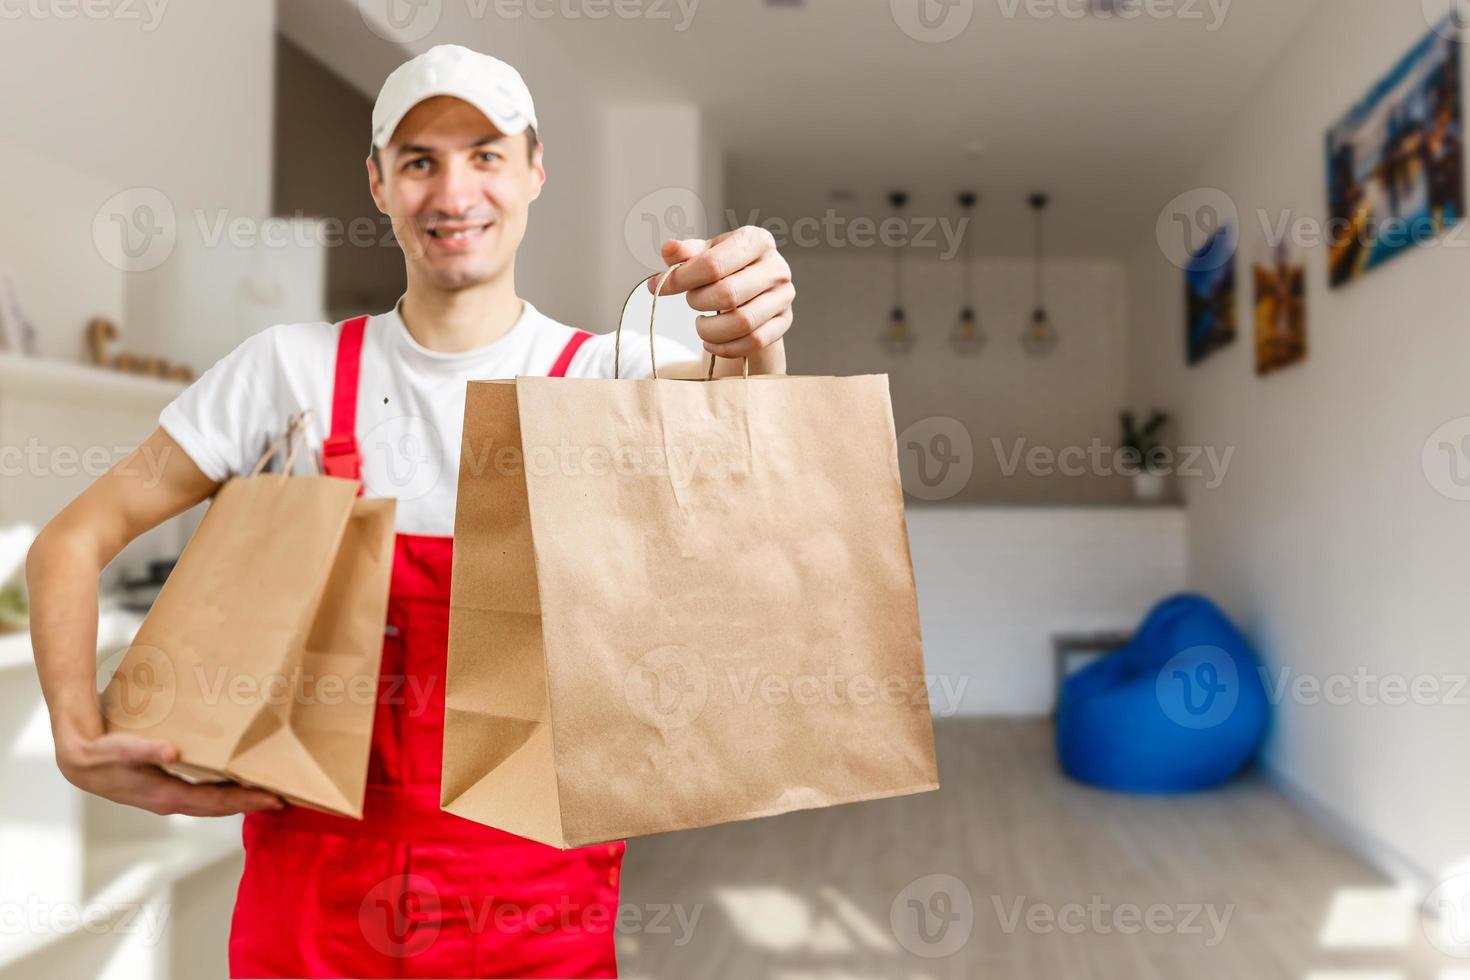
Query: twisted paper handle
[652,311]
[294,436]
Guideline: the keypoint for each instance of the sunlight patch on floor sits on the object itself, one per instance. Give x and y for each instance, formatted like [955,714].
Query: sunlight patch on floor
[1370,918]
[775,919]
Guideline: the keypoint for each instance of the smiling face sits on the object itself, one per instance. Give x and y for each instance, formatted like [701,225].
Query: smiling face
[458,192]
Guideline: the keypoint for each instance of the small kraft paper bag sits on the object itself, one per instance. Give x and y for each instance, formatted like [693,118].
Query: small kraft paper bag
[679,603]
[259,659]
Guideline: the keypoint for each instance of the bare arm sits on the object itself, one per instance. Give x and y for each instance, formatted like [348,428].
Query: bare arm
[155,482]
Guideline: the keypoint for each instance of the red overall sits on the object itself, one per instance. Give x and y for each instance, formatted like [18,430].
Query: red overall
[412,891]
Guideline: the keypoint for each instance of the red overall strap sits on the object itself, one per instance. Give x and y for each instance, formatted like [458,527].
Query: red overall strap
[564,359]
[340,456]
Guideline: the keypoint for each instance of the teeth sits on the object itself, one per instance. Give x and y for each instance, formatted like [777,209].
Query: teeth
[454,235]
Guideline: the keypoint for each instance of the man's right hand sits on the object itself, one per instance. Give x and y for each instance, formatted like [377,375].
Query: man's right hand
[124,768]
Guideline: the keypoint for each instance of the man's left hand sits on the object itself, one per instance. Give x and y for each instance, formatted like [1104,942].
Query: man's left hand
[741,279]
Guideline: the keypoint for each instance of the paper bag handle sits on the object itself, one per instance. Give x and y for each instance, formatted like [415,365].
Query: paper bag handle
[294,436]
[652,310]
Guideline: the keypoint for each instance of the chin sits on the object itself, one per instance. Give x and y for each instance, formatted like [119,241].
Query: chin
[463,274]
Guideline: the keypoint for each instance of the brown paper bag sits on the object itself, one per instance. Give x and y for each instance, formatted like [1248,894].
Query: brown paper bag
[679,603]
[259,659]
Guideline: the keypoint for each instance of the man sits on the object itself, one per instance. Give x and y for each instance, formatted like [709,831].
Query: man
[410,890]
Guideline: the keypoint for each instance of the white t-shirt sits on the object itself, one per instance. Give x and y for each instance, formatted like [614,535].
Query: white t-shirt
[410,401]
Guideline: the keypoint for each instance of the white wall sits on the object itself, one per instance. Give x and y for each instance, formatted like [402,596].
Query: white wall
[659,182]
[46,247]
[1066,399]
[1326,540]
[995,583]
[107,99]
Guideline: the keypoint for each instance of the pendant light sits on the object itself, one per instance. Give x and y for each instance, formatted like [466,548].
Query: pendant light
[967,337]
[1039,339]
[898,338]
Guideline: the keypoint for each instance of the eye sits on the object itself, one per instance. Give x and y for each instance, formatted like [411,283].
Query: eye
[417,164]
[490,156]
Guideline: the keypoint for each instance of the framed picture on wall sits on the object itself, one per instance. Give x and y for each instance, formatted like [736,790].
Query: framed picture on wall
[1396,162]
[1280,281]
[1209,290]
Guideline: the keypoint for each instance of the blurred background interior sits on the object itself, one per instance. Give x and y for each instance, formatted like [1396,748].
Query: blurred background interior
[1033,217]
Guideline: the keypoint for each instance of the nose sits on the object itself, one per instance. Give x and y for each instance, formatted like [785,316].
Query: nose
[458,189]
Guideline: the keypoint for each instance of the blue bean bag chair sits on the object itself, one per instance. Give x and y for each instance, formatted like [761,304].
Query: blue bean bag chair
[1181,707]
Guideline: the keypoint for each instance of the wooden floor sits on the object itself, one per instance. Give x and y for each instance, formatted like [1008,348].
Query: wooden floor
[1012,871]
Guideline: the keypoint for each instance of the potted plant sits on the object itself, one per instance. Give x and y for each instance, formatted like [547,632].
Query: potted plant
[1146,455]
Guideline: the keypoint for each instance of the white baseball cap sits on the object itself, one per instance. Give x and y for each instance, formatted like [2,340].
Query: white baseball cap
[488,84]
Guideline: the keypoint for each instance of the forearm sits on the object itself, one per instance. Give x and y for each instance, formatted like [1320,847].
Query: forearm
[61,577]
[62,570]
[68,557]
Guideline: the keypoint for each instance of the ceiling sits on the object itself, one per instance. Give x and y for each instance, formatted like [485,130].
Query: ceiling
[809,97]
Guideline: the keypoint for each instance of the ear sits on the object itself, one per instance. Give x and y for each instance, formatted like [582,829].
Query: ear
[538,170]
[375,183]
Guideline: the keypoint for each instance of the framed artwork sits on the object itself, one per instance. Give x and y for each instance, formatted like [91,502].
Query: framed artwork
[1396,162]
[1280,309]
[1209,292]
